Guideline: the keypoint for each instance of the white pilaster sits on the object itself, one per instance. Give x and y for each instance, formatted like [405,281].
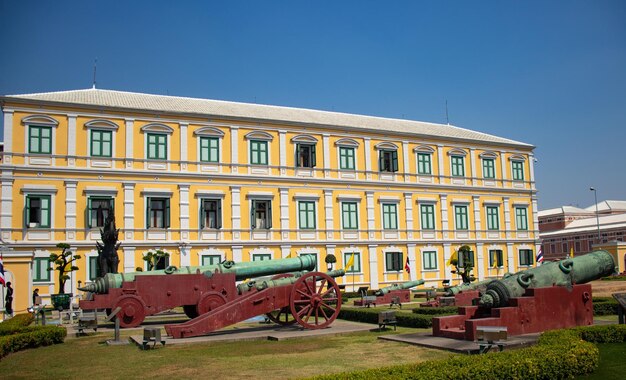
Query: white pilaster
[480,264]
[237,253]
[444,214]
[235,193]
[507,216]
[183,194]
[328,213]
[285,251]
[282,146]
[71,140]
[326,142]
[371,223]
[441,170]
[185,255]
[509,255]
[8,132]
[234,148]
[408,206]
[412,260]
[129,213]
[184,152]
[531,164]
[477,224]
[129,258]
[446,257]
[405,162]
[70,210]
[535,217]
[284,212]
[473,166]
[503,169]
[129,142]
[373,258]
[6,204]
[368,156]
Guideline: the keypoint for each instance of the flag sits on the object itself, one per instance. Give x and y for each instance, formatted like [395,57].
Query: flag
[494,258]
[2,280]
[350,262]
[453,257]
[539,256]
[407,268]
[571,252]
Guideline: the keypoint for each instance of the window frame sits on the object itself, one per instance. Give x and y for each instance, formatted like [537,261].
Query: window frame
[350,159]
[309,215]
[261,256]
[390,223]
[499,258]
[356,268]
[268,214]
[433,254]
[204,213]
[28,211]
[210,258]
[489,170]
[524,225]
[457,163]
[353,215]
[90,209]
[93,142]
[423,215]
[526,257]
[157,144]
[388,160]
[310,154]
[517,170]
[259,154]
[493,218]
[424,160]
[93,268]
[461,219]
[39,267]
[40,150]
[208,149]
[166,212]
[389,264]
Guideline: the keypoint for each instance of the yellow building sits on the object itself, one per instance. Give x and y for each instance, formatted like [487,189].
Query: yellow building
[208,180]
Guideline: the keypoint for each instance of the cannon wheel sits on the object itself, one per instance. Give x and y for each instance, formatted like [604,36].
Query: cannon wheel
[283,315]
[210,301]
[315,300]
[133,311]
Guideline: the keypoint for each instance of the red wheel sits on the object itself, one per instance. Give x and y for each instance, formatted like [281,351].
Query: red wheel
[315,300]
[210,301]
[133,311]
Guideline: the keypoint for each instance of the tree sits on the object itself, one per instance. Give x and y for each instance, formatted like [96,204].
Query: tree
[463,262]
[63,264]
[330,259]
[154,257]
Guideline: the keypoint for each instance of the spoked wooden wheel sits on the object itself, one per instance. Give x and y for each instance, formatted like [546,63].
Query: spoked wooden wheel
[282,316]
[315,300]
[132,312]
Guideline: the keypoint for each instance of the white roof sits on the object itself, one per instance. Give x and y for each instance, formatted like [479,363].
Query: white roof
[590,225]
[563,210]
[606,206]
[257,112]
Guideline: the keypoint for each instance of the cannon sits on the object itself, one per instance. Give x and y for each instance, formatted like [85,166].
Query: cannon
[552,296]
[197,289]
[311,299]
[394,294]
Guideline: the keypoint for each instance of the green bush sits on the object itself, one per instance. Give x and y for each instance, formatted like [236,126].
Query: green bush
[370,315]
[619,277]
[558,354]
[605,306]
[31,337]
[444,310]
[21,320]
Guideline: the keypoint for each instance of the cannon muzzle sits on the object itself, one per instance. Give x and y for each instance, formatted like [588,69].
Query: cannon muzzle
[241,270]
[400,286]
[577,270]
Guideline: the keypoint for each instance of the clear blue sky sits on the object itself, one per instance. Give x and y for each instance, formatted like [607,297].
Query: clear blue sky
[548,73]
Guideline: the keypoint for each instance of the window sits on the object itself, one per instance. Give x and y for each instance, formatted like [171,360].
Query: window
[209,149]
[158,213]
[489,168]
[349,215]
[99,209]
[261,214]
[162,263]
[210,260]
[38,211]
[521,218]
[458,166]
[306,215]
[518,170]
[101,143]
[40,139]
[258,152]
[429,260]
[261,256]
[390,216]
[492,218]
[460,217]
[346,158]
[210,213]
[423,163]
[393,261]
[427,213]
[388,160]
[93,268]
[495,258]
[157,146]
[40,269]
[526,257]
[466,256]
[305,155]
[356,266]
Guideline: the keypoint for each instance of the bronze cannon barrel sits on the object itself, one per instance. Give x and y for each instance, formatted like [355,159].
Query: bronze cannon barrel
[577,270]
[400,286]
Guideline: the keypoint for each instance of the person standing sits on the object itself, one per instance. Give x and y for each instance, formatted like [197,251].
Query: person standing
[36,299]
[8,299]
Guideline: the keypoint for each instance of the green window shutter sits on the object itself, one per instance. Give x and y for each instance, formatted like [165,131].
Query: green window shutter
[202,214]
[253,214]
[269,215]
[148,203]
[167,213]
[394,159]
[218,223]
[313,156]
[297,158]
[27,212]
[89,213]
[381,161]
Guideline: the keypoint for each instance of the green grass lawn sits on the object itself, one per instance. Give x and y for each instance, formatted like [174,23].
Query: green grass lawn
[90,357]
[612,362]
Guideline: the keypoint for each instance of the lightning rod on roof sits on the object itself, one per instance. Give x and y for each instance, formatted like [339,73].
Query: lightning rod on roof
[447,118]
[95,65]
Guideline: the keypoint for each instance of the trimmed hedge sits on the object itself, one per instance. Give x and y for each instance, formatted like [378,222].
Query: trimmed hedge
[370,315]
[605,306]
[444,310]
[619,277]
[559,354]
[31,337]
[21,320]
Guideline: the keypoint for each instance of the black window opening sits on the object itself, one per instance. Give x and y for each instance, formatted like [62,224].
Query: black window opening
[99,209]
[388,161]
[305,156]
[158,213]
[261,215]
[393,261]
[211,213]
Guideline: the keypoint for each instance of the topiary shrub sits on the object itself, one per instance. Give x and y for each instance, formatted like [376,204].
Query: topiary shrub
[11,325]
[444,310]
[31,337]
